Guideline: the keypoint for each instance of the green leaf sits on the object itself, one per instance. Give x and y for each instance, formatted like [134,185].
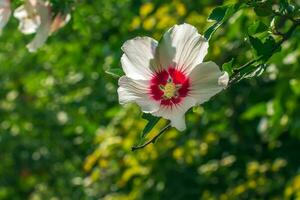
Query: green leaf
[220,15]
[262,8]
[257,110]
[217,15]
[257,27]
[262,11]
[263,48]
[152,121]
[210,31]
[115,72]
[256,44]
[228,67]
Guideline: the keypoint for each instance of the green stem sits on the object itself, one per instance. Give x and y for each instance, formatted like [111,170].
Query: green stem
[153,140]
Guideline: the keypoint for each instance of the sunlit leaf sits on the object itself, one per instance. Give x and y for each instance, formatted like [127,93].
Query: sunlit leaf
[255,111]
[257,27]
[152,121]
[220,15]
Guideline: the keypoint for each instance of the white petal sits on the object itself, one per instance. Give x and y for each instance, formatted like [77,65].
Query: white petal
[29,19]
[136,91]
[20,12]
[138,58]
[5,13]
[29,26]
[224,79]
[4,3]
[176,113]
[178,121]
[205,81]
[184,46]
[43,30]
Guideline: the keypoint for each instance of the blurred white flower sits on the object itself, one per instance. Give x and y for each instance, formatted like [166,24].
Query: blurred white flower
[35,17]
[5,13]
[168,78]
[62,117]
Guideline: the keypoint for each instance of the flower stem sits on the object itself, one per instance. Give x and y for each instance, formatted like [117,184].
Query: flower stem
[153,140]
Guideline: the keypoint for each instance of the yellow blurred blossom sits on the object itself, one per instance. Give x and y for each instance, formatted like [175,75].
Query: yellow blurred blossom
[162,11]
[252,168]
[211,138]
[149,23]
[146,9]
[136,23]
[180,8]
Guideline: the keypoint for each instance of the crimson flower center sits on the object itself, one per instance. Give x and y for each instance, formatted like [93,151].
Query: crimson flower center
[169,86]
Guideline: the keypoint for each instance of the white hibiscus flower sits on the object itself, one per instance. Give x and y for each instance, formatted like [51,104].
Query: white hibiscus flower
[167,78]
[5,13]
[35,17]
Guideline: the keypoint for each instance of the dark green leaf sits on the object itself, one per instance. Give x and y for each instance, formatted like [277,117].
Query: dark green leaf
[263,11]
[263,48]
[217,15]
[152,121]
[256,44]
[220,15]
[210,31]
[257,27]
[262,8]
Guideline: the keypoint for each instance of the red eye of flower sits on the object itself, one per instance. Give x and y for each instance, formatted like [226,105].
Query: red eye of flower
[169,86]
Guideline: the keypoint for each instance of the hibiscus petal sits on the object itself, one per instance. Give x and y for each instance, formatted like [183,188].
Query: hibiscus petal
[206,81]
[138,58]
[183,46]
[20,12]
[136,91]
[176,113]
[59,21]
[5,13]
[224,79]
[28,17]
[43,30]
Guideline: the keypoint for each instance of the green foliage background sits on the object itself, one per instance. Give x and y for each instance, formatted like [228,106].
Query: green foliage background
[63,134]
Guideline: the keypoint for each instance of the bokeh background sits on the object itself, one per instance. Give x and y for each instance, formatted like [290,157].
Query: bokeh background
[63,134]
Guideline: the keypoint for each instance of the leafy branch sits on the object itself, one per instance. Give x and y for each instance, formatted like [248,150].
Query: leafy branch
[236,76]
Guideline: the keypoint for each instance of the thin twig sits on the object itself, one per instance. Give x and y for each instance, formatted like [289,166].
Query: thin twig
[153,140]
